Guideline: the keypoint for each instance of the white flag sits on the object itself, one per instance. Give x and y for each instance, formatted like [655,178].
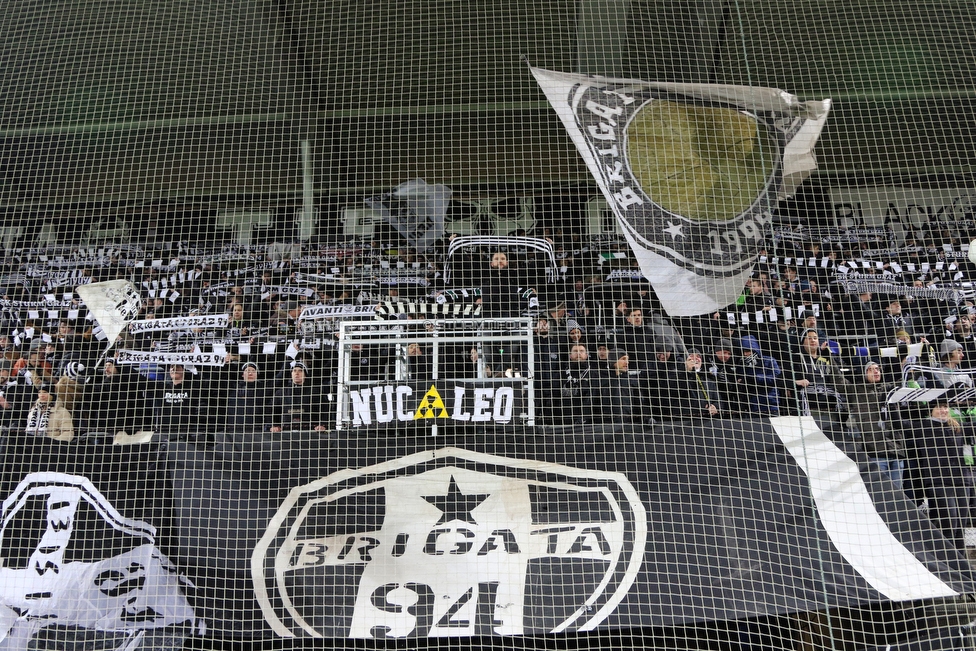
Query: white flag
[691,171]
[113,304]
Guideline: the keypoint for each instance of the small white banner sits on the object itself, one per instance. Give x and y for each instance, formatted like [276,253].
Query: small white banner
[179,323]
[165,359]
[336,311]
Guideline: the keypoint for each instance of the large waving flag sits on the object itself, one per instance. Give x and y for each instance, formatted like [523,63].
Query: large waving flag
[692,172]
[416,209]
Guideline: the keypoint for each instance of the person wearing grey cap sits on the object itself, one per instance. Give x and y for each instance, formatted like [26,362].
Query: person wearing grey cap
[950,373]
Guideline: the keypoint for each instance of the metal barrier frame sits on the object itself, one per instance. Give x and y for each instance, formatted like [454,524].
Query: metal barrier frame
[435,333]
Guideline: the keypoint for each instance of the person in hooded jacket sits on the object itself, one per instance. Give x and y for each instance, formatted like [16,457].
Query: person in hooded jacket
[726,375]
[881,437]
[692,394]
[759,379]
[577,381]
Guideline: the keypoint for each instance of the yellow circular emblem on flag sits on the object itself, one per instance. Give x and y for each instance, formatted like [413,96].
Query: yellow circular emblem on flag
[703,163]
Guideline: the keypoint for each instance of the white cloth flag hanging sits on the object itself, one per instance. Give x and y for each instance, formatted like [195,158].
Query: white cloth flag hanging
[691,171]
[113,304]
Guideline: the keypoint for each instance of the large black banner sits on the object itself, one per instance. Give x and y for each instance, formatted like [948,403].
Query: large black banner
[363,534]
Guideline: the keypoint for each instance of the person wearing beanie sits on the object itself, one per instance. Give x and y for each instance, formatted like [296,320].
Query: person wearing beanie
[37,370]
[655,381]
[298,405]
[882,436]
[602,361]
[725,374]
[575,333]
[950,373]
[809,321]
[757,299]
[893,319]
[247,403]
[547,348]
[556,314]
[40,411]
[759,379]
[49,416]
[691,393]
[576,386]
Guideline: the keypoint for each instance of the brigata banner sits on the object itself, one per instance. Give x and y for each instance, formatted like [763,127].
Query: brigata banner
[166,359]
[179,323]
[364,536]
[81,565]
[499,402]
[373,535]
[691,171]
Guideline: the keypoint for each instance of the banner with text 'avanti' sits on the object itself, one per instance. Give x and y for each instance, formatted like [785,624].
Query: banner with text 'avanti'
[692,172]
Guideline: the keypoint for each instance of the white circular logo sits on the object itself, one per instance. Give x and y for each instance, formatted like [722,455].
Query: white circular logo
[450,543]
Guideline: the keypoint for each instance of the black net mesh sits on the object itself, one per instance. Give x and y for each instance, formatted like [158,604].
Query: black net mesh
[599,324]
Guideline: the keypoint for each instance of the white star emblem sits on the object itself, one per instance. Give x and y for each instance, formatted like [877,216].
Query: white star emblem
[674,231]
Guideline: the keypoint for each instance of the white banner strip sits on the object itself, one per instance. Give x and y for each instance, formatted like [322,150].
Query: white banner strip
[188,359]
[850,518]
[331,311]
[179,323]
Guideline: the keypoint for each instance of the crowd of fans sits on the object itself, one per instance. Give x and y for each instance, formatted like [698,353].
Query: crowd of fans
[604,353]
